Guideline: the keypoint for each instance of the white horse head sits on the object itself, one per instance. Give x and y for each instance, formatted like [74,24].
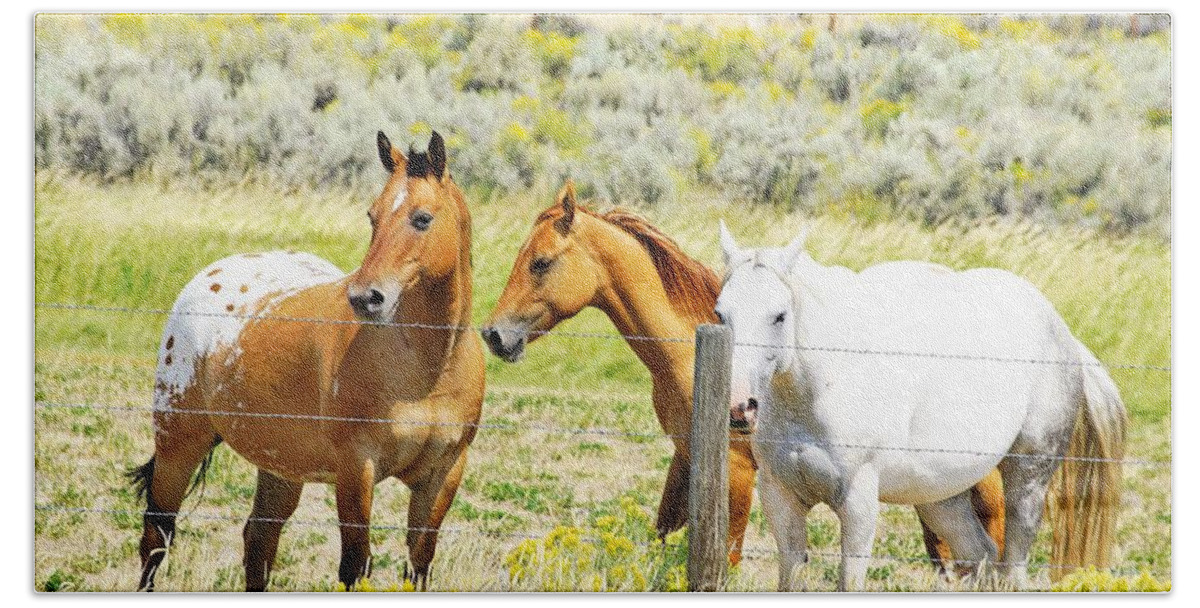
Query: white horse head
[758,305]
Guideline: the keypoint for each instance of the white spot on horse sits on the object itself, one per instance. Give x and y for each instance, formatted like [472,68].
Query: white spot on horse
[200,323]
[400,196]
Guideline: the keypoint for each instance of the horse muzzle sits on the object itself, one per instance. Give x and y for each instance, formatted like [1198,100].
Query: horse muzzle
[743,417]
[508,343]
[371,303]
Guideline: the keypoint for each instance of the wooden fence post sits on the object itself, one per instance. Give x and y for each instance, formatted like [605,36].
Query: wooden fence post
[708,485]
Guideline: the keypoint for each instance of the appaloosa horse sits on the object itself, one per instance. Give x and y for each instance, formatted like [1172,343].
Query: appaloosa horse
[315,376]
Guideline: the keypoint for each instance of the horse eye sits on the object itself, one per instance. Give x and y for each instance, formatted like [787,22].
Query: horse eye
[421,220]
[779,318]
[720,317]
[540,265]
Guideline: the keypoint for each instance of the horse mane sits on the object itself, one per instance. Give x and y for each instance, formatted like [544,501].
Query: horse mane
[691,287]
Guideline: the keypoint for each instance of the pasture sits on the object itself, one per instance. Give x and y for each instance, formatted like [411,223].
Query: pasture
[531,471]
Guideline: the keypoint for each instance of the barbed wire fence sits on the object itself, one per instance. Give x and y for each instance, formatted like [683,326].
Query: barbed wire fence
[748,552]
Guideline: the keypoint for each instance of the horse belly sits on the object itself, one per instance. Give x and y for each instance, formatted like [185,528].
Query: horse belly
[930,481]
[947,453]
[293,449]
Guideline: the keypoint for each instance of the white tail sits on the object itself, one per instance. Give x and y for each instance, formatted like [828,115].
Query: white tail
[1085,495]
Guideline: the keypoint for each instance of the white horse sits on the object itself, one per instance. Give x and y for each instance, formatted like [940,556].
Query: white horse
[1010,387]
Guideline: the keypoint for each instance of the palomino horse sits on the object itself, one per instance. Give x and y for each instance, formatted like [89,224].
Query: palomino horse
[647,286]
[1014,389]
[317,376]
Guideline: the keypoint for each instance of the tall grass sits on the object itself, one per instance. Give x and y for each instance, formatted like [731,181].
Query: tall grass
[136,245]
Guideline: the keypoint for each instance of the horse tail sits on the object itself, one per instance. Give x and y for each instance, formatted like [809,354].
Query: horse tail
[1084,495]
[142,477]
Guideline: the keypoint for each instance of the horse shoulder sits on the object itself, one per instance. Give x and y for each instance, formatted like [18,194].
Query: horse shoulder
[464,378]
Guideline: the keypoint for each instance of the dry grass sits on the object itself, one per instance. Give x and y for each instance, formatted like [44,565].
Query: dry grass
[135,245]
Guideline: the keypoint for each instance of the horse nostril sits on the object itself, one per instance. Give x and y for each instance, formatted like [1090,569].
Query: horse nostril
[491,336]
[367,303]
[752,405]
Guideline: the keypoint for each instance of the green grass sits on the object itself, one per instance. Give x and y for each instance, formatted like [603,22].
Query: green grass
[135,245]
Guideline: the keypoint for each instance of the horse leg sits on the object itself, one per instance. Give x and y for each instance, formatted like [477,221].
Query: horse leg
[275,500]
[431,498]
[355,491]
[672,507]
[1025,483]
[741,494]
[954,521]
[937,548]
[987,499]
[859,516]
[788,519]
[177,454]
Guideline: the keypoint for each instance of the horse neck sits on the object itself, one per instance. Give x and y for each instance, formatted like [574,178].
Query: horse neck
[634,299]
[815,297]
[432,317]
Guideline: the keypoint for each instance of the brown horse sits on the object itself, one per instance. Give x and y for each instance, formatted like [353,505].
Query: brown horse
[317,376]
[639,277]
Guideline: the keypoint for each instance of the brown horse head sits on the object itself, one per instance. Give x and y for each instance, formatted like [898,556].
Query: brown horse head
[554,277]
[576,258]
[416,230]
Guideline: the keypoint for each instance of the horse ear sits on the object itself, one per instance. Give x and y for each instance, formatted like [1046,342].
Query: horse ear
[389,155]
[437,155]
[792,251]
[566,198]
[728,245]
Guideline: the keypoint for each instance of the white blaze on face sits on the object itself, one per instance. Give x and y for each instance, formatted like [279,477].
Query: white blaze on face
[400,196]
[215,305]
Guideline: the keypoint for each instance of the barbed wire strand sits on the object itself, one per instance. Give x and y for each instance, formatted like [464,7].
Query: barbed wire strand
[749,552]
[604,336]
[591,431]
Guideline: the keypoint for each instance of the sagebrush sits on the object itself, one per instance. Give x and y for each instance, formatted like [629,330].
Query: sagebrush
[1056,118]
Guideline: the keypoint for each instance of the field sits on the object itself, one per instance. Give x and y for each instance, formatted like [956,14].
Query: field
[134,243]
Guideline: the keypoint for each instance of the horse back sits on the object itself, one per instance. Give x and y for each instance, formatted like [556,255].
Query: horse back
[243,337]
